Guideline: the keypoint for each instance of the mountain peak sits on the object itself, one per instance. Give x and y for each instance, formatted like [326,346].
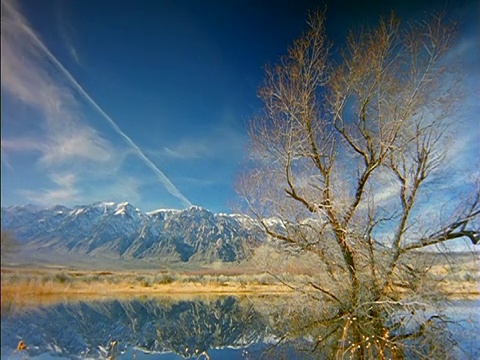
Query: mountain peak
[195,207]
[123,231]
[158,211]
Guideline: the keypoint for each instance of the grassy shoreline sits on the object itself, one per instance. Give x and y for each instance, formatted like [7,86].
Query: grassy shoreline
[43,286]
[32,287]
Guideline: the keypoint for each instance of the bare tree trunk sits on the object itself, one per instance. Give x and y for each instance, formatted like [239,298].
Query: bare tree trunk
[329,134]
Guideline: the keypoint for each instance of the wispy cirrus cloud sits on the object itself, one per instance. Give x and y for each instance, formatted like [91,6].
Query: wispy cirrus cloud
[35,77]
[60,137]
[30,78]
[222,141]
[61,148]
[189,149]
[66,30]
[64,192]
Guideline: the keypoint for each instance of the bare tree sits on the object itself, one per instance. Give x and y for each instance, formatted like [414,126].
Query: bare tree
[344,156]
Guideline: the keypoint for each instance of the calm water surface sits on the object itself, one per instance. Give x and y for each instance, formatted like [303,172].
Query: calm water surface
[223,328]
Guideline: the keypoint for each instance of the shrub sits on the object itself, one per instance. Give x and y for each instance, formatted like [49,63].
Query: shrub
[62,278]
[164,279]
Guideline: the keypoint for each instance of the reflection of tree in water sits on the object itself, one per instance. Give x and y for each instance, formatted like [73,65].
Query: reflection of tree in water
[283,327]
[312,329]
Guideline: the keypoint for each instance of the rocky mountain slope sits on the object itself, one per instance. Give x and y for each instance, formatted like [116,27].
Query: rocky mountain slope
[123,231]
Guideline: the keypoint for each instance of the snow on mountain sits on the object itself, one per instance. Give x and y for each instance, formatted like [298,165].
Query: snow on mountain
[163,211]
[123,231]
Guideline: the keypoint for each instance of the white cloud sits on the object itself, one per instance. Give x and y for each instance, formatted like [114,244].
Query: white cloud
[66,189]
[33,75]
[65,30]
[64,192]
[222,141]
[24,144]
[66,180]
[29,77]
[83,144]
[189,149]
[48,197]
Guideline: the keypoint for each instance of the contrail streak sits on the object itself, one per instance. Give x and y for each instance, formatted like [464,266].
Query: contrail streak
[171,188]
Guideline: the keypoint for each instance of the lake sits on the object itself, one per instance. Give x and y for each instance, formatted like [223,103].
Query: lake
[170,328]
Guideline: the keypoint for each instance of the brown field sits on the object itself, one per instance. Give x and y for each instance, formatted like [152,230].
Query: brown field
[459,280]
[41,286]
[32,287]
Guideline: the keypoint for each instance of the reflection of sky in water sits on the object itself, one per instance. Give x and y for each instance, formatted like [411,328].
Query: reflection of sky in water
[158,327]
[467,329]
[227,328]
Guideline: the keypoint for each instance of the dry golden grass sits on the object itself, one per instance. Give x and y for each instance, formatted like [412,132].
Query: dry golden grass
[33,287]
[460,280]
[23,288]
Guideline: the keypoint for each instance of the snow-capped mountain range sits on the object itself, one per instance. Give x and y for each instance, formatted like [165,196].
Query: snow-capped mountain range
[123,231]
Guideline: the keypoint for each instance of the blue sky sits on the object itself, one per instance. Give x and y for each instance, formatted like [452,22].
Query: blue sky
[148,101]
